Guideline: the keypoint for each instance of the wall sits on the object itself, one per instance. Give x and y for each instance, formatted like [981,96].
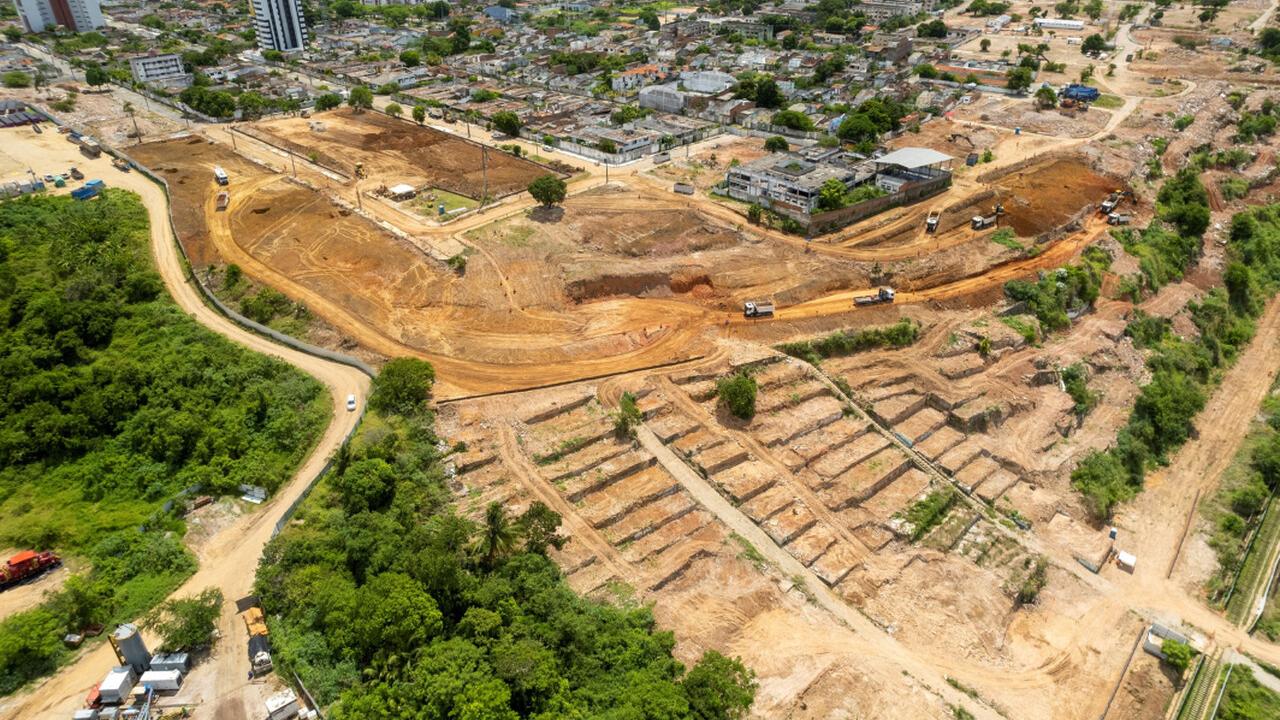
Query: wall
[819,223]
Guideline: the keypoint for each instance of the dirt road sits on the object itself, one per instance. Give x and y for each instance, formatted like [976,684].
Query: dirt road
[230,560]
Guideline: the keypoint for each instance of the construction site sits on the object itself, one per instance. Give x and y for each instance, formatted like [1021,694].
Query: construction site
[894,531]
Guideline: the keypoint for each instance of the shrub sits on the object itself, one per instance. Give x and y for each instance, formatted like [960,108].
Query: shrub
[1177,654]
[628,416]
[737,393]
[403,386]
[926,513]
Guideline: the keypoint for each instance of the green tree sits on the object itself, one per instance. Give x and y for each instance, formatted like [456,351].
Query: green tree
[328,101]
[1177,654]
[403,386]
[498,535]
[1094,43]
[548,190]
[538,526]
[419,114]
[793,119]
[394,110]
[507,122]
[605,145]
[1046,97]
[832,194]
[719,688]
[777,143]
[985,44]
[1018,78]
[754,214]
[251,104]
[186,623]
[396,615]
[361,98]
[94,75]
[410,58]
[767,93]
[737,393]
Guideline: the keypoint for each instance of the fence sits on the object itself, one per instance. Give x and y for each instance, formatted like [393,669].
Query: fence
[834,219]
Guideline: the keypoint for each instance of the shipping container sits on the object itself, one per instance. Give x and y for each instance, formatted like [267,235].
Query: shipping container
[162,680]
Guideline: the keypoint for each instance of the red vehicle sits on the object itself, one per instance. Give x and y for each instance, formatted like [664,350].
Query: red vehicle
[26,565]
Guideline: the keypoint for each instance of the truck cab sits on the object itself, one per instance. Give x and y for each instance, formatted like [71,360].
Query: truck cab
[757,308]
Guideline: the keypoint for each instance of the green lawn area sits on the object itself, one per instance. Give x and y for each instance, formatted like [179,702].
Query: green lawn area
[1109,102]
[1247,699]
[452,201]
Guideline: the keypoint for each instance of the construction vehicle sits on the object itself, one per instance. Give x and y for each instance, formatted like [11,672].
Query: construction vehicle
[220,175]
[959,136]
[89,147]
[1080,93]
[36,126]
[982,222]
[931,223]
[90,189]
[224,199]
[259,640]
[883,295]
[757,308]
[359,170]
[25,566]
[1113,201]
[1119,218]
[75,174]
[120,164]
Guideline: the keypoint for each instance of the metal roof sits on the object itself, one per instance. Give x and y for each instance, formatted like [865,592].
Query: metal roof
[913,157]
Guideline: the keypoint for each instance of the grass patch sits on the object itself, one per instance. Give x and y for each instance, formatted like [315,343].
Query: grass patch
[1109,102]
[1247,699]
[1006,238]
[451,201]
[928,512]
[847,342]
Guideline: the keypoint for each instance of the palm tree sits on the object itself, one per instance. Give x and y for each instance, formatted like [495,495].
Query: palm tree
[128,110]
[498,536]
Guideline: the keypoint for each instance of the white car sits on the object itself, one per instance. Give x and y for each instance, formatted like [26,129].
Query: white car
[351,403]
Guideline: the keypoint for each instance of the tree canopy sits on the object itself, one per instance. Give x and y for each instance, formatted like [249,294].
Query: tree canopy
[548,190]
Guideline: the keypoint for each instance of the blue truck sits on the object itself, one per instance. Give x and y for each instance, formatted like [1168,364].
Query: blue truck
[88,190]
[1080,93]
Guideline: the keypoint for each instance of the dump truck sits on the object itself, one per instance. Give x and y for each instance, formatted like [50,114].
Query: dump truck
[27,565]
[883,295]
[220,175]
[757,308]
[931,223]
[1114,199]
[982,222]
[224,199]
[1080,93]
[88,190]
[76,174]
[1116,218]
[259,640]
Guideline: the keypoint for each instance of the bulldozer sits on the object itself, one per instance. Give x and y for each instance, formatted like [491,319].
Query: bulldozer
[359,171]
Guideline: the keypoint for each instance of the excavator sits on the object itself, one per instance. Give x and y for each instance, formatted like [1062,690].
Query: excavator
[958,136]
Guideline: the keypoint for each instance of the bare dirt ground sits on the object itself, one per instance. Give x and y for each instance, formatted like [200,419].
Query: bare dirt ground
[396,151]
[29,594]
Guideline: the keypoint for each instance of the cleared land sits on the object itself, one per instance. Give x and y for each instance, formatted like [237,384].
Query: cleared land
[397,151]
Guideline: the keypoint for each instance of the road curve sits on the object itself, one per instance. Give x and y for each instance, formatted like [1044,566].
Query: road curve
[230,560]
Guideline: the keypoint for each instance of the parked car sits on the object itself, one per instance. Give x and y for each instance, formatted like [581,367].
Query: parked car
[351,403]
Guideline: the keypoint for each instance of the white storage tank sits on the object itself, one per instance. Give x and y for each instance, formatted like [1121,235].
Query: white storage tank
[129,646]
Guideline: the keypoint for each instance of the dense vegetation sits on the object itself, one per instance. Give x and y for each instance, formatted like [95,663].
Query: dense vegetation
[1057,294]
[113,401]
[1246,698]
[389,605]
[846,342]
[1183,371]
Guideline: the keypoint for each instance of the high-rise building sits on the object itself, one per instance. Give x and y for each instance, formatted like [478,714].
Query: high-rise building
[279,24]
[77,15]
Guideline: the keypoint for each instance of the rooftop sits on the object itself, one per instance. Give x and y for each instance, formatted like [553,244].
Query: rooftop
[913,157]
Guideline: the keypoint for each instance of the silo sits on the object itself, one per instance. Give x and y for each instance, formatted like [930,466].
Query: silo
[130,649]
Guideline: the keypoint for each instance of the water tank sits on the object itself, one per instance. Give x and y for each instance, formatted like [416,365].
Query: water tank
[130,648]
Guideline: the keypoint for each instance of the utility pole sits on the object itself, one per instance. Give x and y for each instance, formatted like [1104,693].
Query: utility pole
[232,132]
[484,171]
[294,164]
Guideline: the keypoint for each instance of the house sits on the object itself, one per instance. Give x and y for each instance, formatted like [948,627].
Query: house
[707,81]
[158,68]
[636,77]
[785,181]
[1058,24]
[500,14]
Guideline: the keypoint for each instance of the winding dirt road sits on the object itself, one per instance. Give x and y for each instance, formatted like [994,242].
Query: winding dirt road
[230,560]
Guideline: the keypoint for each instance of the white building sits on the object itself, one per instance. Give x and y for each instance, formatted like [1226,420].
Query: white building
[279,24]
[157,68]
[77,15]
[1059,24]
[663,98]
[707,81]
